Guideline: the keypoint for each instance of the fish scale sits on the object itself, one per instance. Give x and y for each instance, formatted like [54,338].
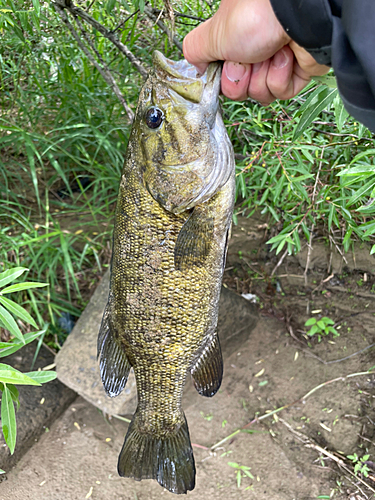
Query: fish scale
[167,266]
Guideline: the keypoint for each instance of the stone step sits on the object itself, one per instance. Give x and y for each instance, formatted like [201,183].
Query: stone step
[76,362]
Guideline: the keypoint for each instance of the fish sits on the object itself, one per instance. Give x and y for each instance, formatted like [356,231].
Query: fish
[172,223]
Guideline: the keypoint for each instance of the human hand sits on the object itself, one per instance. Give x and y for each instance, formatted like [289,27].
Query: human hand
[260,59]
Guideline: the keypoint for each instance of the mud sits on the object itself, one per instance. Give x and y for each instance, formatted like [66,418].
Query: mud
[324,396]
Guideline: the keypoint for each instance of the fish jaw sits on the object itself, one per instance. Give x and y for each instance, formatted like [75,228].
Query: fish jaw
[188,158]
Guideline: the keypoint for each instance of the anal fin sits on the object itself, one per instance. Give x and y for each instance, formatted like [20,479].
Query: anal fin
[194,240]
[208,370]
[113,362]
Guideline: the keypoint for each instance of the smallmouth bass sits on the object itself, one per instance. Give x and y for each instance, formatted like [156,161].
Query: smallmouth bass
[172,222]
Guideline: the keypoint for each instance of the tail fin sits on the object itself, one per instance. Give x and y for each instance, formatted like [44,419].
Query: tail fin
[168,459]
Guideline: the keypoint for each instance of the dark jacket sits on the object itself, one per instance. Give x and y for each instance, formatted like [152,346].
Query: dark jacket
[341,34]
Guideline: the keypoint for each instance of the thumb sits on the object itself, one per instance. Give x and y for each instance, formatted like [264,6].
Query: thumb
[198,46]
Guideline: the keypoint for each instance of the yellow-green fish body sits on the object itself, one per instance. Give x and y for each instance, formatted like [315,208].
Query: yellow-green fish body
[172,222]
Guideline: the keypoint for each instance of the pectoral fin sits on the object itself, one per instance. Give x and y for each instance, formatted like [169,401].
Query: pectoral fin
[113,362]
[194,241]
[208,371]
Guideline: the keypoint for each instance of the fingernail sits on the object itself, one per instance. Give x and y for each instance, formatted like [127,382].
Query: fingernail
[234,71]
[256,67]
[280,59]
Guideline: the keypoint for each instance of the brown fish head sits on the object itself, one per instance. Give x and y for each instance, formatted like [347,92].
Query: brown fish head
[179,131]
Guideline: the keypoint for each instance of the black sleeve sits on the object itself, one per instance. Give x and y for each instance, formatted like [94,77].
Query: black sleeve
[339,33]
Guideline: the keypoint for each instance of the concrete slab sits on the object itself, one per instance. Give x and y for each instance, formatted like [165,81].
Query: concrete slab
[76,363]
[77,366]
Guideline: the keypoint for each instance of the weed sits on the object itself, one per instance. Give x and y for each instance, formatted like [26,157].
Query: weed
[360,465]
[321,327]
[207,417]
[241,471]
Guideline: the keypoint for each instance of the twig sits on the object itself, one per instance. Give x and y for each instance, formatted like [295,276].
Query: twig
[309,250]
[280,262]
[103,70]
[180,14]
[310,444]
[337,247]
[334,134]
[125,21]
[149,12]
[119,417]
[350,355]
[110,35]
[277,410]
[290,329]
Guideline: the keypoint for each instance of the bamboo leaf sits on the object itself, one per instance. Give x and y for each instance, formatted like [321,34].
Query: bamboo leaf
[8,419]
[42,377]
[9,324]
[18,311]
[16,345]
[310,112]
[10,275]
[22,286]
[340,112]
[9,375]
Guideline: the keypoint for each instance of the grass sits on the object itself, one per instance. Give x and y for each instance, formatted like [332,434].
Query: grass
[63,136]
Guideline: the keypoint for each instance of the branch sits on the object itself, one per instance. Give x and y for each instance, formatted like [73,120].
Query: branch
[150,13]
[180,14]
[103,70]
[110,35]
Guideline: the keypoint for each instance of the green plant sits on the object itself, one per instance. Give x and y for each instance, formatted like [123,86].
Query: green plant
[321,327]
[241,471]
[360,464]
[9,376]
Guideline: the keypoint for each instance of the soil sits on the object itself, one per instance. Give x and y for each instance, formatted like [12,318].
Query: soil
[325,397]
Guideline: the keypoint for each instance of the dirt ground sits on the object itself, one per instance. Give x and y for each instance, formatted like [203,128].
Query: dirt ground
[298,453]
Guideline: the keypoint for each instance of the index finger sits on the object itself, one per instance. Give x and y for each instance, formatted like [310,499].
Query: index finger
[198,48]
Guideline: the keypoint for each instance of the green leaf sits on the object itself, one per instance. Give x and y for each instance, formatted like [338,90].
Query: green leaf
[16,345]
[13,392]
[311,321]
[372,251]
[313,330]
[42,377]
[358,169]
[10,275]
[36,5]
[8,419]
[18,311]
[340,112]
[110,6]
[313,109]
[2,471]
[9,375]
[366,153]
[239,476]
[23,286]
[9,324]
[246,471]
[328,80]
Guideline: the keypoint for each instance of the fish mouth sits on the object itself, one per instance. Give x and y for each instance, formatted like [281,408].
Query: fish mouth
[183,78]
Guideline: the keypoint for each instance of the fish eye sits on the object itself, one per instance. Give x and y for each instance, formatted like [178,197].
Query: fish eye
[154,117]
